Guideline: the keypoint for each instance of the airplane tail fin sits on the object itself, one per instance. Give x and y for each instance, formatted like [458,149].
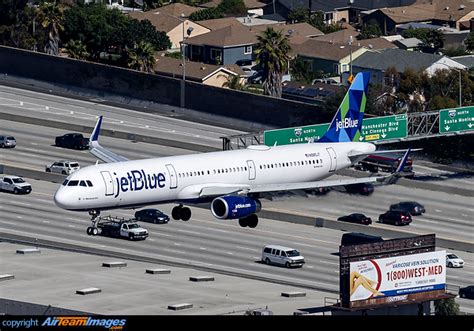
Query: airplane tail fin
[347,123]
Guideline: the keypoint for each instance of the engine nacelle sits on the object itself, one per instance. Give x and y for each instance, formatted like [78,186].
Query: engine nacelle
[232,207]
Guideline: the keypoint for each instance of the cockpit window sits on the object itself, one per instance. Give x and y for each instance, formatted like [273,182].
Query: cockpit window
[89,183]
[73,183]
[82,183]
[65,182]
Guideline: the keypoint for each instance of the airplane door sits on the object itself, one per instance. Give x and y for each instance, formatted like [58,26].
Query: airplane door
[332,159]
[109,183]
[251,166]
[173,178]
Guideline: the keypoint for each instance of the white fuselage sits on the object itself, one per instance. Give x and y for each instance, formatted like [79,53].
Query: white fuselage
[180,178]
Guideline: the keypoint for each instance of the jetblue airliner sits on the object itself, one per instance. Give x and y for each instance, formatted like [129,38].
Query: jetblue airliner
[231,181]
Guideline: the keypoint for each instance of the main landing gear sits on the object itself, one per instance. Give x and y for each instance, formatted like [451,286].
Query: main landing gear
[181,213]
[93,230]
[251,221]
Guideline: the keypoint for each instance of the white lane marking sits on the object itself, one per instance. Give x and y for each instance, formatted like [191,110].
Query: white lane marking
[177,244]
[18,216]
[438,210]
[257,257]
[71,226]
[327,262]
[163,234]
[247,248]
[309,266]
[456,277]
[46,222]
[173,250]
[203,248]
[5,222]
[151,239]
[230,253]
[187,231]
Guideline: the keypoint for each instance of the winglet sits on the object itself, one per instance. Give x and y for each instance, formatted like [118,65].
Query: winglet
[95,133]
[403,161]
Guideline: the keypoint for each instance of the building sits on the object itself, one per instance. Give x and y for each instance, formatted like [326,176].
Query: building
[254,7]
[377,62]
[173,26]
[204,73]
[409,44]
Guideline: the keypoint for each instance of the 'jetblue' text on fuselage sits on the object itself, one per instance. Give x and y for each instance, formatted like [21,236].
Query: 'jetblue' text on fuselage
[137,180]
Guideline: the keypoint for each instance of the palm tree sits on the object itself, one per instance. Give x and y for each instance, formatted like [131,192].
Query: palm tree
[233,82]
[51,16]
[77,50]
[142,57]
[273,54]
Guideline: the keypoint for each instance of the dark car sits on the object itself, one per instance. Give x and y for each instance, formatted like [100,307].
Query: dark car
[360,188]
[72,140]
[152,215]
[412,207]
[467,292]
[356,218]
[355,238]
[396,217]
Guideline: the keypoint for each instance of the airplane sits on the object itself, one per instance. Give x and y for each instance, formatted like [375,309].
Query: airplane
[234,181]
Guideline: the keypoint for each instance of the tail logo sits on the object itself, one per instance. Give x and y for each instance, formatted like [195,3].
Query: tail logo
[347,123]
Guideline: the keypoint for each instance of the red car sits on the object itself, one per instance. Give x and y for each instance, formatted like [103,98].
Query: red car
[396,217]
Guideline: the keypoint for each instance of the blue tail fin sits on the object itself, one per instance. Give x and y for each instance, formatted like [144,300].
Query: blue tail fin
[347,123]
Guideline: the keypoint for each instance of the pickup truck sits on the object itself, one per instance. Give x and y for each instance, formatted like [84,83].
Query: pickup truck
[125,229]
[387,162]
[14,184]
[72,140]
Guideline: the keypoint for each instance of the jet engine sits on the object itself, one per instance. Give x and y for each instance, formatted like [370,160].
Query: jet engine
[233,207]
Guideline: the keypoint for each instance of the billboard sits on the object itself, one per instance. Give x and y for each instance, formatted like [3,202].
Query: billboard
[397,276]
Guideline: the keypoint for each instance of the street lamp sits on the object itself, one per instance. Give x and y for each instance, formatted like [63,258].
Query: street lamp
[350,58]
[183,81]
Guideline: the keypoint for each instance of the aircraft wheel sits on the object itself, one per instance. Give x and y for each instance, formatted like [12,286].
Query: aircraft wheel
[95,231]
[252,221]
[185,214]
[243,222]
[175,213]
[89,231]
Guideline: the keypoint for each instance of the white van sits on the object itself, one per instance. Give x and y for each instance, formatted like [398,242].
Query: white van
[289,257]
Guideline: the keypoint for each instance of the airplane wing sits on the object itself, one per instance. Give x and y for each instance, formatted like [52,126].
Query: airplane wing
[100,152]
[356,157]
[211,190]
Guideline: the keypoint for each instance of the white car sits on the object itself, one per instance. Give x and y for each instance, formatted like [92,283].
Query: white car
[63,167]
[453,261]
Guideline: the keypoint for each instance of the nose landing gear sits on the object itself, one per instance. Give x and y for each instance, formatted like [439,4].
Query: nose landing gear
[93,230]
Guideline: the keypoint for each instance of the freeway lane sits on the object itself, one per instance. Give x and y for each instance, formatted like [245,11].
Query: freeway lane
[201,241]
[47,106]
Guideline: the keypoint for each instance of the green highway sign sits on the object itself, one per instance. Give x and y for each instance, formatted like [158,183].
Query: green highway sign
[384,128]
[457,119]
[295,135]
[378,128]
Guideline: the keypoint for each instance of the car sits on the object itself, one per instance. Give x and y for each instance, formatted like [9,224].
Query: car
[152,215]
[357,238]
[453,261]
[248,72]
[7,141]
[256,78]
[244,62]
[396,217]
[360,188]
[356,218]
[63,167]
[14,184]
[72,140]
[413,207]
[467,292]
[286,256]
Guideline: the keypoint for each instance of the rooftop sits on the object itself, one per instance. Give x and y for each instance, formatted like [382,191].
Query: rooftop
[323,50]
[232,35]
[162,21]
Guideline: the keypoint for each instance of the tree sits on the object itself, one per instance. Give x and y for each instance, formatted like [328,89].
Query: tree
[432,39]
[298,15]
[134,31]
[273,54]
[301,71]
[232,7]
[233,82]
[142,57]
[51,17]
[446,307]
[470,41]
[317,20]
[77,50]
[370,31]
[206,14]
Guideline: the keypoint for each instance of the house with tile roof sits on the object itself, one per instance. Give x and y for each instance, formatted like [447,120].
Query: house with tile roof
[222,46]
[254,7]
[207,74]
[452,13]
[173,26]
[330,58]
[377,62]
[178,9]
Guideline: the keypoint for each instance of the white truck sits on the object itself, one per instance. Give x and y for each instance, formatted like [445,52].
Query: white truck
[14,184]
[115,227]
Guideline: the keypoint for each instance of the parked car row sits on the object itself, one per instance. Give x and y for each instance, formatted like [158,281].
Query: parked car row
[398,214]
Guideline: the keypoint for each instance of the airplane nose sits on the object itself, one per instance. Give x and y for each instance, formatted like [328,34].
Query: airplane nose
[61,199]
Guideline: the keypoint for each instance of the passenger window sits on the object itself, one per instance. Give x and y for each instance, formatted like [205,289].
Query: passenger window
[277,252]
[267,250]
[245,168]
[273,251]
[283,254]
[83,183]
[89,183]
[208,172]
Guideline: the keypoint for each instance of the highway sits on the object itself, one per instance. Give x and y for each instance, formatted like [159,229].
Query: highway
[203,240]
